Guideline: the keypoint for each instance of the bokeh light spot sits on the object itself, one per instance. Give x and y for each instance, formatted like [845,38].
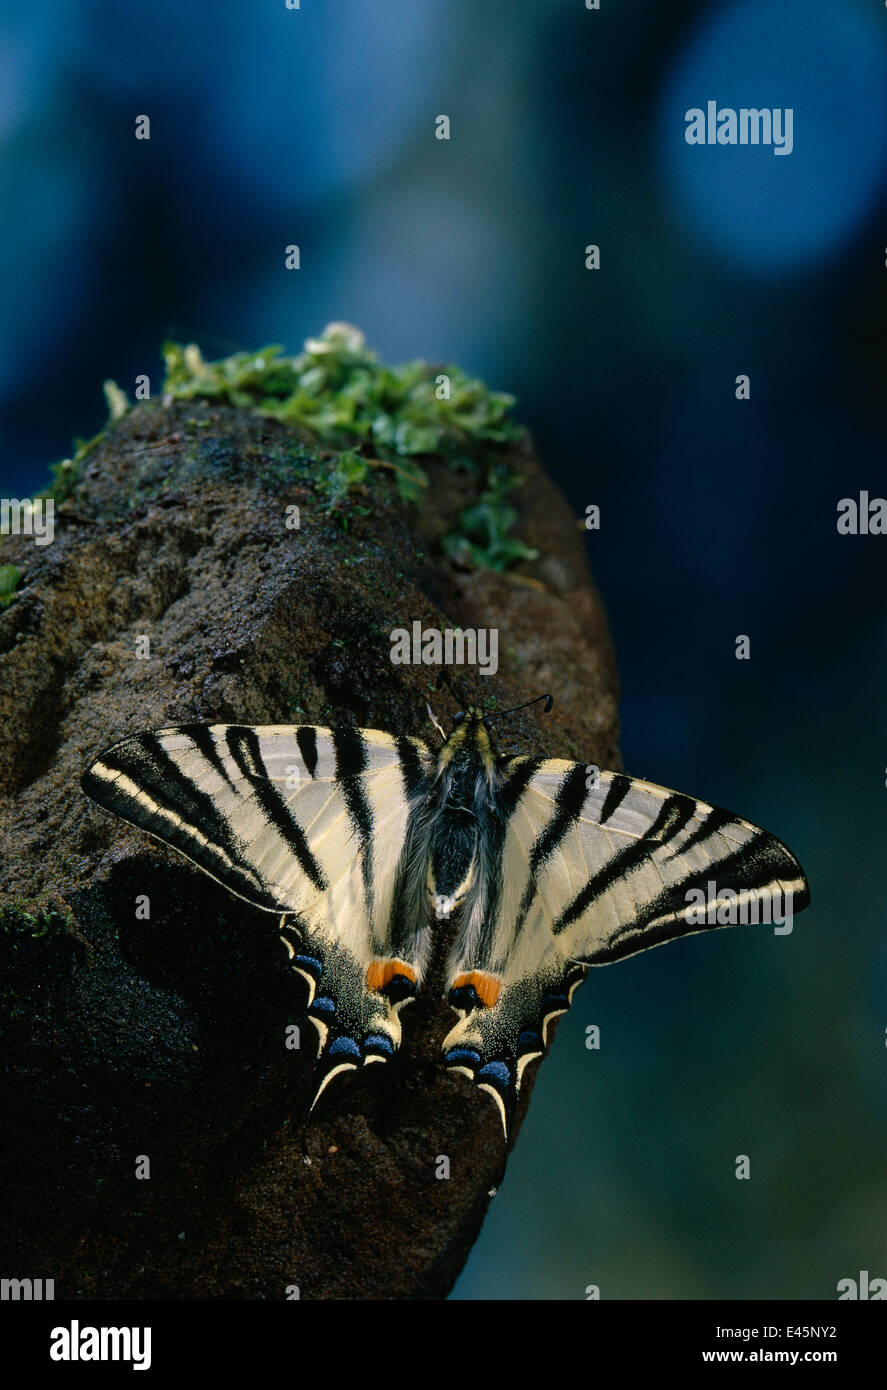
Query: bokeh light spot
[760,210]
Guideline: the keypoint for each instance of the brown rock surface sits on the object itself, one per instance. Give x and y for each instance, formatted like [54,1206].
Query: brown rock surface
[165,1037]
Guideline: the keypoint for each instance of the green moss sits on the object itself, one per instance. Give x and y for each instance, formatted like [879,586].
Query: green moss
[9,578]
[32,920]
[338,389]
[381,417]
[349,470]
[379,421]
[485,524]
[67,474]
[118,405]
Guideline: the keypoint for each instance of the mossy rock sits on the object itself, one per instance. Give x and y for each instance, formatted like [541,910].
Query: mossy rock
[164,1037]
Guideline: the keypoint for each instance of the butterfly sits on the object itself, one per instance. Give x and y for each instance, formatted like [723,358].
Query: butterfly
[525,871]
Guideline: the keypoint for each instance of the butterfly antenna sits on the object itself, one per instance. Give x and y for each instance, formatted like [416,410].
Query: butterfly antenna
[549,704]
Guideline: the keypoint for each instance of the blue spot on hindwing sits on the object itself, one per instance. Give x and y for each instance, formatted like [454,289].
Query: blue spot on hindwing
[462,1054]
[324,1004]
[495,1071]
[343,1045]
[379,1043]
[311,964]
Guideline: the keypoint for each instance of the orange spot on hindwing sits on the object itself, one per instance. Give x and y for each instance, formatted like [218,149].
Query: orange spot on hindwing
[486,987]
[381,972]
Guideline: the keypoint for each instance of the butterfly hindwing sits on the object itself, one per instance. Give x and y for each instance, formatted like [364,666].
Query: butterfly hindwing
[294,819]
[589,876]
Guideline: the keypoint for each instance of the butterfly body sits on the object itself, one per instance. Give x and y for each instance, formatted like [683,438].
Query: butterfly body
[462,817]
[387,853]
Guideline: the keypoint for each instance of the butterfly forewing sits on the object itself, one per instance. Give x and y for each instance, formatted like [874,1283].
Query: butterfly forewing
[301,820]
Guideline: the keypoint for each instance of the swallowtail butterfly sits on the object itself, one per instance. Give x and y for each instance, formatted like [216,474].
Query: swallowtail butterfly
[383,847]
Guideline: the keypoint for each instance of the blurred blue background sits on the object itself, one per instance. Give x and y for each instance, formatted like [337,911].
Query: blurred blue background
[316,126]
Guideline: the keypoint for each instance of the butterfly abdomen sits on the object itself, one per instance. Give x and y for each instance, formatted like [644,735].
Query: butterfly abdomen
[452,853]
[462,808]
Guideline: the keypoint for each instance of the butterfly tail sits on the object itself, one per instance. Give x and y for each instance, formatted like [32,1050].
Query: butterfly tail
[356,1026]
[493,1045]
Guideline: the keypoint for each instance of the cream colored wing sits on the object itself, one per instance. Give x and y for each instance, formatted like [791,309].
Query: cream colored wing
[294,819]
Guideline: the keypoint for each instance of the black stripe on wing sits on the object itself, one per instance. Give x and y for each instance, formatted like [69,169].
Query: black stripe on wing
[616,793]
[350,749]
[245,749]
[673,815]
[518,773]
[167,803]
[351,760]
[306,738]
[415,778]
[762,864]
[712,824]
[570,800]
[203,736]
[170,807]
